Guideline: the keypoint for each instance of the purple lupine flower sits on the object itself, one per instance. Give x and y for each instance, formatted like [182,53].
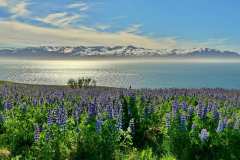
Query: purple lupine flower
[62,95]
[184,106]
[168,120]
[4,92]
[116,112]
[220,127]
[132,97]
[36,133]
[48,100]
[204,135]
[215,113]
[119,124]
[7,105]
[193,126]
[190,111]
[35,102]
[41,100]
[49,118]
[174,108]
[47,136]
[110,112]
[204,111]
[61,116]
[148,110]
[200,110]
[54,113]
[225,122]
[16,96]
[77,112]
[92,110]
[183,122]
[209,107]
[99,124]
[143,98]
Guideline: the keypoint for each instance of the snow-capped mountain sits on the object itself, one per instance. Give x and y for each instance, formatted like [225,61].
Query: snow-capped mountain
[120,51]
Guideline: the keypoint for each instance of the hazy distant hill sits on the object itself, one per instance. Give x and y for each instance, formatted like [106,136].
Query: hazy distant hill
[121,51]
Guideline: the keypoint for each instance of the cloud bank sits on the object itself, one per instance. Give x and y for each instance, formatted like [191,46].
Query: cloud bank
[66,27]
[17,9]
[59,19]
[22,35]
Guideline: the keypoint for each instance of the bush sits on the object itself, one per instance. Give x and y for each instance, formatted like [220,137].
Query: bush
[81,82]
[72,83]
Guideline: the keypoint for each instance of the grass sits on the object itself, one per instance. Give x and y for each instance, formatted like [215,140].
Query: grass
[4,82]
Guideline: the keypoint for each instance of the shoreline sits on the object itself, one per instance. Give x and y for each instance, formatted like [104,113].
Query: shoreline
[12,83]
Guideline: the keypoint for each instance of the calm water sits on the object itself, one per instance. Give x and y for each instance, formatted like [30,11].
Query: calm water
[122,73]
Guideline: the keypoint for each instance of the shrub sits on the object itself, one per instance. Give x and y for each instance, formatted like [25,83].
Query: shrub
[72,83]
[81,82]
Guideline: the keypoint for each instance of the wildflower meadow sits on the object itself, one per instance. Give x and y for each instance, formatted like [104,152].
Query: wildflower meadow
[51,122]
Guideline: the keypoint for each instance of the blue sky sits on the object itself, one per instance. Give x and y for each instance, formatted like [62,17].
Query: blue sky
[150,24]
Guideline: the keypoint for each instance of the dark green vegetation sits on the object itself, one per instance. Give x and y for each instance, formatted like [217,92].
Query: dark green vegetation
[5,82]
[81,82]
[53,122]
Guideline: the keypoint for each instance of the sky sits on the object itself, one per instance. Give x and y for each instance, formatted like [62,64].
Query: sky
[154,24]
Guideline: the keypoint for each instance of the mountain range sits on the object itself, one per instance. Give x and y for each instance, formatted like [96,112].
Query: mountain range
[119,51]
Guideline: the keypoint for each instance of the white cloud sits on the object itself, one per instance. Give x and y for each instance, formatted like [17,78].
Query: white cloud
[135,28]
[102,26]
[59,19]
[81,6]
[13,33]
[15,8]
[17,34]
[219,43]
[3,3]
[20,9]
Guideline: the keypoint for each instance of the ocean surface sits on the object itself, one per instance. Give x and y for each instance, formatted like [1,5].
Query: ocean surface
[139,73]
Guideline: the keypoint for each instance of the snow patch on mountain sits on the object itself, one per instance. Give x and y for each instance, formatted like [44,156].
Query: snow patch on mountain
[114,51]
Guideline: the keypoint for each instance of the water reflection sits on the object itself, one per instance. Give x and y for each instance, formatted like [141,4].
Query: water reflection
[150,73]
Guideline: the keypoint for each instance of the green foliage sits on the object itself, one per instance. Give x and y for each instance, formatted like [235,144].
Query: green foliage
[96,145]
[148,139]
[72,83]
[81,82]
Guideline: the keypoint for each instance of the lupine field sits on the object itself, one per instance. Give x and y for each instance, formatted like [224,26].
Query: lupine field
[53,122]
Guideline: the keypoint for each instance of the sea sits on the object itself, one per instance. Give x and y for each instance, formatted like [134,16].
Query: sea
[126,72]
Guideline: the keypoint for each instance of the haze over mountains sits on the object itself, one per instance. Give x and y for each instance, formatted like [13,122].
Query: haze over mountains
[118,51]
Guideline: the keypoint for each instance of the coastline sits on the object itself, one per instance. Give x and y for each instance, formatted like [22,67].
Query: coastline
[108,88]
